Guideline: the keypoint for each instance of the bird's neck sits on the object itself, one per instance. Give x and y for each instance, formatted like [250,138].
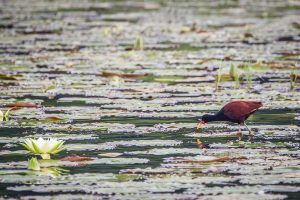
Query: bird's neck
[215,117]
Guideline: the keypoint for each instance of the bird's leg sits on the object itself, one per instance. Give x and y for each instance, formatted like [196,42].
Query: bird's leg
[250,132]
[239,133]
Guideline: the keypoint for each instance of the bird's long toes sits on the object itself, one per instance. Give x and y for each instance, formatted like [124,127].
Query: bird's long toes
[251,136]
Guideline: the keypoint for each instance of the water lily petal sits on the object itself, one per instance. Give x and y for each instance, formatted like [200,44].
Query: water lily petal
[56,147]
[36,147]
[28,142]
[28,147]
[58,150]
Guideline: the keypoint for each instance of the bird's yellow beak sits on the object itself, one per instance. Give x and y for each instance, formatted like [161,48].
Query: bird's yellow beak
[200,124]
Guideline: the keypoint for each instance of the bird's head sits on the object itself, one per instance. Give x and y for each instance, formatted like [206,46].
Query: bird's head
[202,121]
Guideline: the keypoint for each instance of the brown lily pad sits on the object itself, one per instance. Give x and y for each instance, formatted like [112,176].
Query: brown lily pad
[18,105]
[76,158]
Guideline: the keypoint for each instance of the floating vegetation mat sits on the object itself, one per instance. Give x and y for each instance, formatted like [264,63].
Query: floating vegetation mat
[123,84]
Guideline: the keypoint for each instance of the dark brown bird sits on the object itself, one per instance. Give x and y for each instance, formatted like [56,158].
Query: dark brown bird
[235,111]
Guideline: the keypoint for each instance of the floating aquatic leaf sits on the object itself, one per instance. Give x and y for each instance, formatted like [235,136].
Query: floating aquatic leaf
[22,105]
[221,159]
[110,154]
[127,177]
[143,143]
[11,153]
[76,158]
[90,147]
[52,87]
[166,151]
[54,119]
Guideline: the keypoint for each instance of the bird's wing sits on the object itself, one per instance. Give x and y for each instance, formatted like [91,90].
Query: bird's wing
[240,110]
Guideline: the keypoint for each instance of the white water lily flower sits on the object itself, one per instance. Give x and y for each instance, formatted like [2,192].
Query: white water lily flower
[44,147]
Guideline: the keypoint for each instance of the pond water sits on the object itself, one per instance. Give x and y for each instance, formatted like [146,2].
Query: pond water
[125,82]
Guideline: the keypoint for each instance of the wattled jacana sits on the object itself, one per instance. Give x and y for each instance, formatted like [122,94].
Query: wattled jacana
[235,111]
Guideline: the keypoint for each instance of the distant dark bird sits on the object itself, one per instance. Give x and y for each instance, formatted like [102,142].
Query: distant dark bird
[235,111]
